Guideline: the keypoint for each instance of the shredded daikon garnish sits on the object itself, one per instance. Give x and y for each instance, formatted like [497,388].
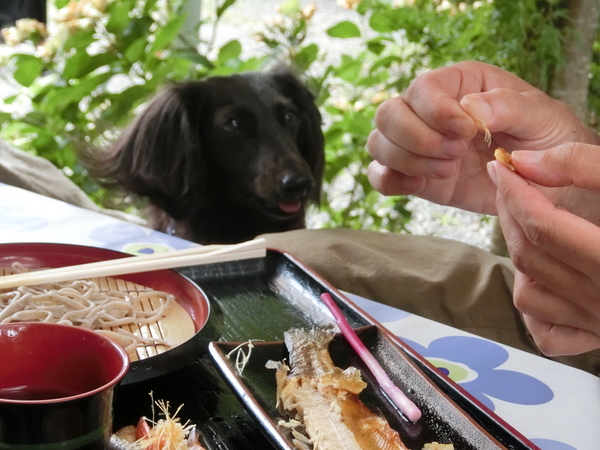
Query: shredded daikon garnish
[241,357]
[168,433]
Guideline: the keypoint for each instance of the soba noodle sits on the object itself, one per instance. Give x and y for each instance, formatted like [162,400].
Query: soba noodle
[83,303]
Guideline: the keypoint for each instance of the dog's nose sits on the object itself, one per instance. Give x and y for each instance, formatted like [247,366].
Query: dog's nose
[296,186]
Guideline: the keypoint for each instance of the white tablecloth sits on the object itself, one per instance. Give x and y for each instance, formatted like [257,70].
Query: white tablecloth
[555,406]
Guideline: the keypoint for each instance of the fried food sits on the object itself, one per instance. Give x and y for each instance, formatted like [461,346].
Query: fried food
[504,158]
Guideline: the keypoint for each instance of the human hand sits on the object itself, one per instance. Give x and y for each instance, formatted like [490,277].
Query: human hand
[427,142]
[556,252]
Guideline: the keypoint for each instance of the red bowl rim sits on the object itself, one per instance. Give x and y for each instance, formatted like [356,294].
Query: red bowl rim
[125,363]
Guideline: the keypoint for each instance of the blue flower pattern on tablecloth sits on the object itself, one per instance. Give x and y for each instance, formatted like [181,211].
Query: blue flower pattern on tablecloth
[549,444]
[477,370]
[12,220]
[133,239]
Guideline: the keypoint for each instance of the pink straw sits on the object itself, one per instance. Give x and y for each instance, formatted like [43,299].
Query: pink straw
[406,406]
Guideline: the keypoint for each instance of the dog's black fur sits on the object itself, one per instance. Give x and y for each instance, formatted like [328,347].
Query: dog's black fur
[224,159]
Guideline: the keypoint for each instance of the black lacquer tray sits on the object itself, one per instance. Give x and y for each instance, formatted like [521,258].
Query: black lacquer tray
[259,299]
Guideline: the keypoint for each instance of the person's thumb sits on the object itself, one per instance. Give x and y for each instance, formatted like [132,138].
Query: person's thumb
[525,116]
[569,164]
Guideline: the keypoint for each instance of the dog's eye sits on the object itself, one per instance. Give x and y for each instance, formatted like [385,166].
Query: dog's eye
[232,126]
[290,117]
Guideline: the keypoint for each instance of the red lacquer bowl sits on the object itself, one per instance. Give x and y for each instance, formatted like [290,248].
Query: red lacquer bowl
[57,385]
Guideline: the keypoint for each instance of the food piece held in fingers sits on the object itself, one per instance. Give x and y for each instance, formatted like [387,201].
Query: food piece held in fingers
[504,158]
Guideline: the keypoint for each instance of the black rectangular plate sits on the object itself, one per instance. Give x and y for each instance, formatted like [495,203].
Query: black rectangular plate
[260,299]
[442,421]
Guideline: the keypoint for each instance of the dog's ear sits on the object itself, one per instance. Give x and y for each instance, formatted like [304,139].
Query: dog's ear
[310,135]
[159,155]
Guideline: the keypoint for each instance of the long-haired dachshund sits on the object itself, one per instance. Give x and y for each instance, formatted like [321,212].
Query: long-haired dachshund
[224,159]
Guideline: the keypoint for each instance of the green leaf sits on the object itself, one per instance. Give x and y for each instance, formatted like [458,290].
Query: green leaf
[5,117]
[136,28]
[179,68]
[45,84]
[252,64]
[197,58]
[61,3]
[57,101]
[290,7]
[122,104]
[166,35]
[81,39]
[386,61]
[381,23]
[10,99]
[361,125]
[76,64]
[221,9]
[136,50]
[349,70]
[344,30]
[27,69]
[376,47]
[43,139]
[81,64]
[134,95]
[231,50]
[363,7]
[306,56]
[118,13]
[149,6]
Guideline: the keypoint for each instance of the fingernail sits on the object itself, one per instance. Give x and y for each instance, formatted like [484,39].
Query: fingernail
[477,107]
[491,168]
[529,157]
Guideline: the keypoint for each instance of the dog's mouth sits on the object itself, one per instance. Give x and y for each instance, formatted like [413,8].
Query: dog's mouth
[290,207]
[284,209]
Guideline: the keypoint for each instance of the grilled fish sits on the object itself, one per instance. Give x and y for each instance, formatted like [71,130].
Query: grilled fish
[323,399]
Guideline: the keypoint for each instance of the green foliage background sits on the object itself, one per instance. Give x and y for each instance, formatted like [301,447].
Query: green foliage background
[84,83]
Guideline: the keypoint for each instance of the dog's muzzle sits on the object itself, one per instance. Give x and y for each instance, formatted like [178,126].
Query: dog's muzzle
[296,187]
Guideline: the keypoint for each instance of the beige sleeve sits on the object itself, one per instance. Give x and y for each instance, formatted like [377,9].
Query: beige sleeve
[36,174]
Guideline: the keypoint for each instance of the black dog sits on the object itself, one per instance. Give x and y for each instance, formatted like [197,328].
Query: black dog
[224,159]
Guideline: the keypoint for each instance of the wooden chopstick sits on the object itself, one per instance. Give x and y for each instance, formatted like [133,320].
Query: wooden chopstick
[135,264]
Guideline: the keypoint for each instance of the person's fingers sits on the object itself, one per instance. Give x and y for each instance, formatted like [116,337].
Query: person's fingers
[533,299]
[549,273]
[438,107]
[557,340]
[434,95]
[403,127]
[569,164]
[527,119]
[390,182]
[549,229]
[398,158]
